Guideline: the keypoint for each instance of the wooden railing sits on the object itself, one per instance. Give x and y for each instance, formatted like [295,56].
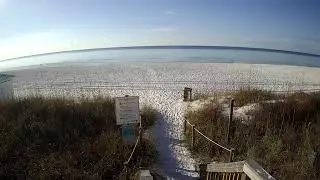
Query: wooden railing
[241,170]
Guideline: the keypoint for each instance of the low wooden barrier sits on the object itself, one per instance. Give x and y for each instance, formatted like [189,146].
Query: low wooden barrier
[241,170]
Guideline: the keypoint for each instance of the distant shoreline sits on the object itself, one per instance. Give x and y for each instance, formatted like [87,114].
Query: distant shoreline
[173,47]
[55,65]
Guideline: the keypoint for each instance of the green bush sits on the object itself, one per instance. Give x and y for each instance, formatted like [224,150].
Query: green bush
[65,139]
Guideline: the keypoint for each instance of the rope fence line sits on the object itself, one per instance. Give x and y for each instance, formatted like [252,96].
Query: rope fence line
[133,150]
[126,163]
[189,123]
[231,150]
[213,141]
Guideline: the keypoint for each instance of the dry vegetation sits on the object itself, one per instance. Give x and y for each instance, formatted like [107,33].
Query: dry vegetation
[283,136]
[208,120]
[252,95]
[65,139]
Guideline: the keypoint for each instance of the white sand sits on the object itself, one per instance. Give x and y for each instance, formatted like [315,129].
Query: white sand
[161,84]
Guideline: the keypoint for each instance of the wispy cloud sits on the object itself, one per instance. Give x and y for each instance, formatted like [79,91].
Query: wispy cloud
[165,29]
[169,12]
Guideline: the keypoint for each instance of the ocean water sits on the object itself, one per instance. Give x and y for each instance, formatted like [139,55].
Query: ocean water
[215,55]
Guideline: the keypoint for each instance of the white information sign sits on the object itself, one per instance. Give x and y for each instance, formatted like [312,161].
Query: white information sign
[127,110]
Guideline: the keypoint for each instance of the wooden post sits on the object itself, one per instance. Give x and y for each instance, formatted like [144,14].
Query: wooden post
[203,171]
[185,126]
[140,134]
[126,170]
[193,136]
[267,126]
[230,120]
[243,176]
[185,94]
[231,154]
[140,144]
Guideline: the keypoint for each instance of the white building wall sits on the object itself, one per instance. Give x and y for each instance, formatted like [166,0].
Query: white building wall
[6,90]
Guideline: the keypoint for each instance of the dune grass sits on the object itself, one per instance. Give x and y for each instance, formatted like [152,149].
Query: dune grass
[207,119]
[65,139]
[148,116]
[282,136]
[247,95]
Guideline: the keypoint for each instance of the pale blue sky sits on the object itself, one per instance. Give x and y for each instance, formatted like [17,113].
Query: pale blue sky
[40,26]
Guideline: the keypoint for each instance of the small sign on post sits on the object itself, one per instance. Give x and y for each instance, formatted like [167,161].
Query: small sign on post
[127,110]
[127,115]
[128,133]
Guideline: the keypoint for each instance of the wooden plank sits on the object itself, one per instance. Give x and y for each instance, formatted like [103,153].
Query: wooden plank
[243,176]
[249,168]
[215,176]
[255,172]
[203,171]
[226,167]
[209,176]
[238,176]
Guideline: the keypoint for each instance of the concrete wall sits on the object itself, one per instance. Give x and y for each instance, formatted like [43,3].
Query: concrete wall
[6,90]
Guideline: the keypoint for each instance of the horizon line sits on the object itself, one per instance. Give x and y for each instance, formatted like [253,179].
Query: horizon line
[203,47]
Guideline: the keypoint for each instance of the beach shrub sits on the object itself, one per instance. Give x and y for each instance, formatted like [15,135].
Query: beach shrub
[251,95]
[148,116]
[207,119]
[45,138]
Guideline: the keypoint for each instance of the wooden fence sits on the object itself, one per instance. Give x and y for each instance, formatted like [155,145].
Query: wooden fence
[193,136]
[241,170]
[195,130]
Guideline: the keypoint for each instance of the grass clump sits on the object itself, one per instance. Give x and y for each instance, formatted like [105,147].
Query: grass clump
[251,95]
[58,138]
[148,116]
[207,119]
[283,136]
[200,95]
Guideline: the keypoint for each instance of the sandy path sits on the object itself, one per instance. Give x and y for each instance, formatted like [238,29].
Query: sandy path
[175,161]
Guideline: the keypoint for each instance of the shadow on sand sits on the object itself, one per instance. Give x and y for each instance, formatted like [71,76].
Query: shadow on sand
[167,162]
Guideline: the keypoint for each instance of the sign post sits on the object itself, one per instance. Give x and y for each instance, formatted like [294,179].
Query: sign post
[128,133]
[128,115]
[127,110]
